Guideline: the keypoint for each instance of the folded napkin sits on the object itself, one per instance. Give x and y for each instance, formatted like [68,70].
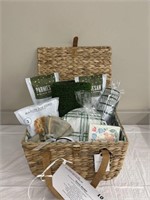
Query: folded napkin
[65,90]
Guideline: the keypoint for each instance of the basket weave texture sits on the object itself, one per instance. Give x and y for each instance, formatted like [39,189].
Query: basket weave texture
[70,62]
[74,61]
[81,155]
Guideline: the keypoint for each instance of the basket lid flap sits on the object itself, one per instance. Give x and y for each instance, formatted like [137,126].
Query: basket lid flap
[75,61]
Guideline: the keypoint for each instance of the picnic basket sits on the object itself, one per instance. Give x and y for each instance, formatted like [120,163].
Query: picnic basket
[70,62]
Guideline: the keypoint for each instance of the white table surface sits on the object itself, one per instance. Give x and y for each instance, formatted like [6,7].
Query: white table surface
[133,182]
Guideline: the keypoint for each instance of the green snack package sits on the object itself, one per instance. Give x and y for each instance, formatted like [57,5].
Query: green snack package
[40,87]
[65,90]
[98,84]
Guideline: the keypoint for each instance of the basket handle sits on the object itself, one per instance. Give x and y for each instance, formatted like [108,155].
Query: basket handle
[97,178]
[47,179]
[102,169]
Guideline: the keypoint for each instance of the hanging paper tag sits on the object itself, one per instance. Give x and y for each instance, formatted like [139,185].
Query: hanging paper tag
[97,161]
[70,185]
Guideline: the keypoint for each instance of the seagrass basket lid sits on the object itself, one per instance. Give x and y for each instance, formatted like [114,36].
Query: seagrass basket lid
[75,61]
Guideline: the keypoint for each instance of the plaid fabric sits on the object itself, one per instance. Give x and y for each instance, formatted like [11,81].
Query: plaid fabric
[80,119]
[107,104]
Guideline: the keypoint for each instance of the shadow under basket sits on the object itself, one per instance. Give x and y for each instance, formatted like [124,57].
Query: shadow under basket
[81,154]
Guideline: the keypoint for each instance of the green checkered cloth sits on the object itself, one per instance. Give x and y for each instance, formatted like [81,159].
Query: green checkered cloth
[80,119]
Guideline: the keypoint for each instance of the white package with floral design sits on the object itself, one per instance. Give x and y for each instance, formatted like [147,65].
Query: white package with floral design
[104,133]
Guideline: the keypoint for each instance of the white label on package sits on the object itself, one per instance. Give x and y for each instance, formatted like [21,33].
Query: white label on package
[71,186]
[97,162]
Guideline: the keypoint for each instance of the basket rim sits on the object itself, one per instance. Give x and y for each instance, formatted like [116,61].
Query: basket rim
[78,142]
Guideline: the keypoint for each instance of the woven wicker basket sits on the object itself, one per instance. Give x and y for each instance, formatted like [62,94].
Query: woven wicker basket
[70,62]
[80,153]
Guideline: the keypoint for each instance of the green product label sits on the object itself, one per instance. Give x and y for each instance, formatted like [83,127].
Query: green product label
[42,85]
[96,82]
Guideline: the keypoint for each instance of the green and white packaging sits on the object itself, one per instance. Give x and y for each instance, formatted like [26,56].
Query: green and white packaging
[40,87]
[98,83]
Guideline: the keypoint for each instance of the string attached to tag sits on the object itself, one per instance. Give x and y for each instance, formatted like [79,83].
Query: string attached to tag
[43,174]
